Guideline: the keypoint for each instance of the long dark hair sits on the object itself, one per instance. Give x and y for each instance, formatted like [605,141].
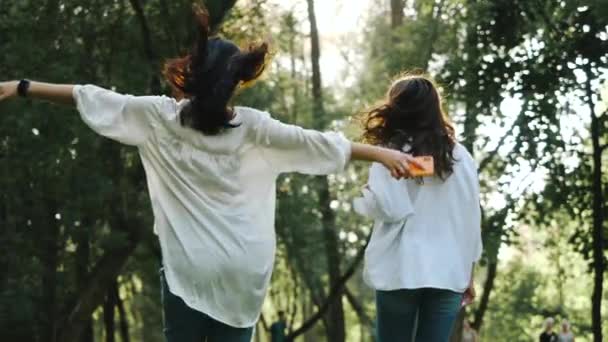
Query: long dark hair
[412,114]
[210,75]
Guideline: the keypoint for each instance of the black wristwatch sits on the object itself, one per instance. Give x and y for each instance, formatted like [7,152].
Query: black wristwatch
[23,87]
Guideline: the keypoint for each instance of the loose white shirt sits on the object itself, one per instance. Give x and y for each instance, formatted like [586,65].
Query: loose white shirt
[213,197]
[426,234]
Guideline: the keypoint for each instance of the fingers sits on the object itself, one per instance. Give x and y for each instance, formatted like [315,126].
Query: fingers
[395,173]
[401,168]
[413,161]
[470,294]
[406,169]
[468,297]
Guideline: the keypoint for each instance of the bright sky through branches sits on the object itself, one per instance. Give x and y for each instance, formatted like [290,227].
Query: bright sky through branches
[336,20]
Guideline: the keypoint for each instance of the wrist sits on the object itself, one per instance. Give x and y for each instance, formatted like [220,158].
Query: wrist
[383,154]
[23,87]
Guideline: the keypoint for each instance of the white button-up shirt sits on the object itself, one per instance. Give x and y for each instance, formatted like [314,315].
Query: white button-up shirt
[426,234]
[213,197]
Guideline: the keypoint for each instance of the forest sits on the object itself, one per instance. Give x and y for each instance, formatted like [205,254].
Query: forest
[525,82]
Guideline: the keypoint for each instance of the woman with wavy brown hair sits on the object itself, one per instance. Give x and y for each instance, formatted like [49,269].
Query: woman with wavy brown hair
[426,236]
[211,170]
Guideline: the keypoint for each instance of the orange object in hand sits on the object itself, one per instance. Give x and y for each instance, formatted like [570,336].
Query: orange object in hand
[428,165]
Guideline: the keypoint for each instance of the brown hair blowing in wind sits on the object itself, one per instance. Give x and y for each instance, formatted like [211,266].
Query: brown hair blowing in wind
[210,74]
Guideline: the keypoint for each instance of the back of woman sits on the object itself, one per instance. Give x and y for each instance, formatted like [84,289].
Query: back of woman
[213,196]
[427,234]
[425,224]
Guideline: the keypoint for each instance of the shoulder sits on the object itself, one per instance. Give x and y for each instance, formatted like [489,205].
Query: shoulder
[169,107]
[461,152]
[248,115]
[256,123]
[464,157]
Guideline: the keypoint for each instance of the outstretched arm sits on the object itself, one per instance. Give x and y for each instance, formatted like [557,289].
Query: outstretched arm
[290,148]
[57,93]
[124,118]
[396,162]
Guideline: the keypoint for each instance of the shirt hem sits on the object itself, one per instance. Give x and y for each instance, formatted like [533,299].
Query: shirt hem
[214,316]
[415,287]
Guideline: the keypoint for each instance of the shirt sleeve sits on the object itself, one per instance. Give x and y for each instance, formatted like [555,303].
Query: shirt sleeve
[125,118]
[384,198]
[289,148]
[476,222]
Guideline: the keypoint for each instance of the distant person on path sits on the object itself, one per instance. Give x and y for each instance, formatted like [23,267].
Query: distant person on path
[548,335]
[277,329]
[566,335]
[427,233]
[468,333]
[211,171]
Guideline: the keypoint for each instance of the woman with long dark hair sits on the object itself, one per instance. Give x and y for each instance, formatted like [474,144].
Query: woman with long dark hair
[211,171]
[427,234]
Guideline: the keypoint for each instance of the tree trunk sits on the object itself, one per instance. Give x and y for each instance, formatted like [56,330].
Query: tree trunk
[307,312]
[335,292]
[122,315]
[108,314]
[598,219]
[319,120]
[49,274]
[364,318]
[73,322]
[397,7]
[154,86]
[485,296]
[291,24]
[335,315]
[436,14]
[82,270]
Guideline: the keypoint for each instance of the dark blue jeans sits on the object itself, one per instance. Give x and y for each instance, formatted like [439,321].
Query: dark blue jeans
[420,315]
[184,324]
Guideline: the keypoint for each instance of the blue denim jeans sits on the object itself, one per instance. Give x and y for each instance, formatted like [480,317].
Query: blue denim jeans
[184,324]
[420,315]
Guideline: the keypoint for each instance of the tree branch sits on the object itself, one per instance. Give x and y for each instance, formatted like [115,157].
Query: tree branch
[147,39]
[104,273]
[488,158]
[363,317]
[334,294]
[217,11]
[264,323]
[437,8]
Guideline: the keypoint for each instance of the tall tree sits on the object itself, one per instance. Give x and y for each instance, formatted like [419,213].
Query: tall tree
[397,7]
[335,316]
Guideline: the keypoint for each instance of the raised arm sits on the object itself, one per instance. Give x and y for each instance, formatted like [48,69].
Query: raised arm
[125,118]
[291,148]
[57,93]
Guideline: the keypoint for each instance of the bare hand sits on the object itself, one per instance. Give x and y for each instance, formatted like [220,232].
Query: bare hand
[469,295]
[8,90]
[398,163]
